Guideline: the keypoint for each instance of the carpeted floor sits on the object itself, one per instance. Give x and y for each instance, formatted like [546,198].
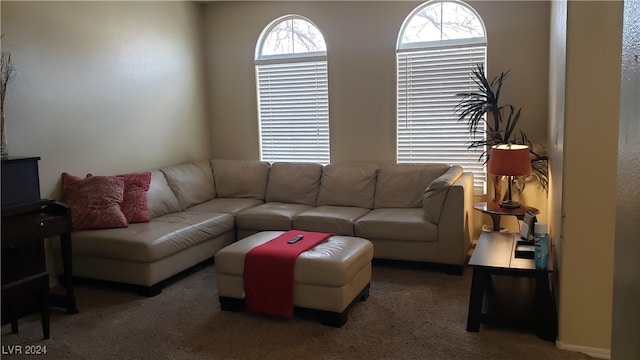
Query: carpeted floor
[412,313]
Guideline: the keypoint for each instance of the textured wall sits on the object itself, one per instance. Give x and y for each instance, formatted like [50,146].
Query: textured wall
[361,40]
[625,337]
[104,87]
[557,87]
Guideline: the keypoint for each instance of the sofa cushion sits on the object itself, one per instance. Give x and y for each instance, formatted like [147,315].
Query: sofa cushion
[348,185]
[333,219]
[226,205]
[134,204]
[399,224]
[94,201]
[402,186]
[192,183]
[294,183]
[160,198]
[240,178]
[270,216]
[155,240]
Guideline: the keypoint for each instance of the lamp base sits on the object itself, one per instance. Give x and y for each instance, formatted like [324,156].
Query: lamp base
[509,204]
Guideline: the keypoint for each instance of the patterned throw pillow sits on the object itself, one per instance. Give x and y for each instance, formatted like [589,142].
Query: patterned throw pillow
[94,201]
[134,203]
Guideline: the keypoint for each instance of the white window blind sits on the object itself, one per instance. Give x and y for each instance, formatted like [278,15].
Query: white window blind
[428,128]
[294,111]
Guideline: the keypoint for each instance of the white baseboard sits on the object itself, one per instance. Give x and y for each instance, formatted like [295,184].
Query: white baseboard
[591,351]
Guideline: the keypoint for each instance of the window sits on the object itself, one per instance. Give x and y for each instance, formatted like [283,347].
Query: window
[293,100]
[439,44]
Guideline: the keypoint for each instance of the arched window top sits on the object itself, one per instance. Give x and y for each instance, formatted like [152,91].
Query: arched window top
[291,36]
[441,23]
[439,44]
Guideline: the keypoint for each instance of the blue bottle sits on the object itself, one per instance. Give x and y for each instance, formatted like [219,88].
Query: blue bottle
[541,242]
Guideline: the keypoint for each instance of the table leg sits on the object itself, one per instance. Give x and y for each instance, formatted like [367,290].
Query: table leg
[496,221]
[545,307]
[14,321]
[68,300]
[478,283]
[44,306]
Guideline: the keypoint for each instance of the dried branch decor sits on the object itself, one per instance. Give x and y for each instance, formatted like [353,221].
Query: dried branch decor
[6,76]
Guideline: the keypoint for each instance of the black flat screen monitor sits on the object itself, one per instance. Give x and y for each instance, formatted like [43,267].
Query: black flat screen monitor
[20,181]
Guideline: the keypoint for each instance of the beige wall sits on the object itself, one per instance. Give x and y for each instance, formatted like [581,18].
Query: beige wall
[589,170]
[361,39]
[104,87]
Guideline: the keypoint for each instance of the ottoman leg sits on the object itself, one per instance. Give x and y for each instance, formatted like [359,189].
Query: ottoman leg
[364,295]
[339,319]
[335,319]
[230,304]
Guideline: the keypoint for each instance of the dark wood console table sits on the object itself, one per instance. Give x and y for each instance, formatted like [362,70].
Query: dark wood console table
[26,221]
[495,255]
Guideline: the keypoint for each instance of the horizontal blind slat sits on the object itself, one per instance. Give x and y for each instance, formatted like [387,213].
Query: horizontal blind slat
[293,110]
[428,129]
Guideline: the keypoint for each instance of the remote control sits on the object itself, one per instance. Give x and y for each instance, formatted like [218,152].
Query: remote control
[295,239]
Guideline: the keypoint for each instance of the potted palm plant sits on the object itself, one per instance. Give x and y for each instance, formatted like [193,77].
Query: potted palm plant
[483,106]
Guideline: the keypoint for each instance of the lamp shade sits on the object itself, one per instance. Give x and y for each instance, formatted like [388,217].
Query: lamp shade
[509,160]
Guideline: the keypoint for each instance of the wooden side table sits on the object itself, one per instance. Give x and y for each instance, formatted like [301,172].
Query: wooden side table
[495,255]
[25,280]
[495,211]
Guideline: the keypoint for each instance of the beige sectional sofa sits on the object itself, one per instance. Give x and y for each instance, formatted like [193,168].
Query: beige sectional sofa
[409,212]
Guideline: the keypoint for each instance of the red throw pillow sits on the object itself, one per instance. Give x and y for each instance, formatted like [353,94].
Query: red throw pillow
[94,201]
[134,204]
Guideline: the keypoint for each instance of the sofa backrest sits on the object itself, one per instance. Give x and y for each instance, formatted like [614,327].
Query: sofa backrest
[240,178]
[348,185]
[294,183]
[192,183]
[160,198]
[402,186]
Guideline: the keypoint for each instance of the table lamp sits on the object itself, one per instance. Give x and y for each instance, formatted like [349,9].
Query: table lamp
[509,160]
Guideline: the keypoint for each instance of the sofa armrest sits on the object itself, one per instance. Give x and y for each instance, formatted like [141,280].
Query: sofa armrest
[434,196]
[455,223]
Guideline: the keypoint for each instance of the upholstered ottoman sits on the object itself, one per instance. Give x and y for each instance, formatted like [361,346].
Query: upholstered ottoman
[328,279]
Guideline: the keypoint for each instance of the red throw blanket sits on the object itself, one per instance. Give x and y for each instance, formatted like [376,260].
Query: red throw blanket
[268,272]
